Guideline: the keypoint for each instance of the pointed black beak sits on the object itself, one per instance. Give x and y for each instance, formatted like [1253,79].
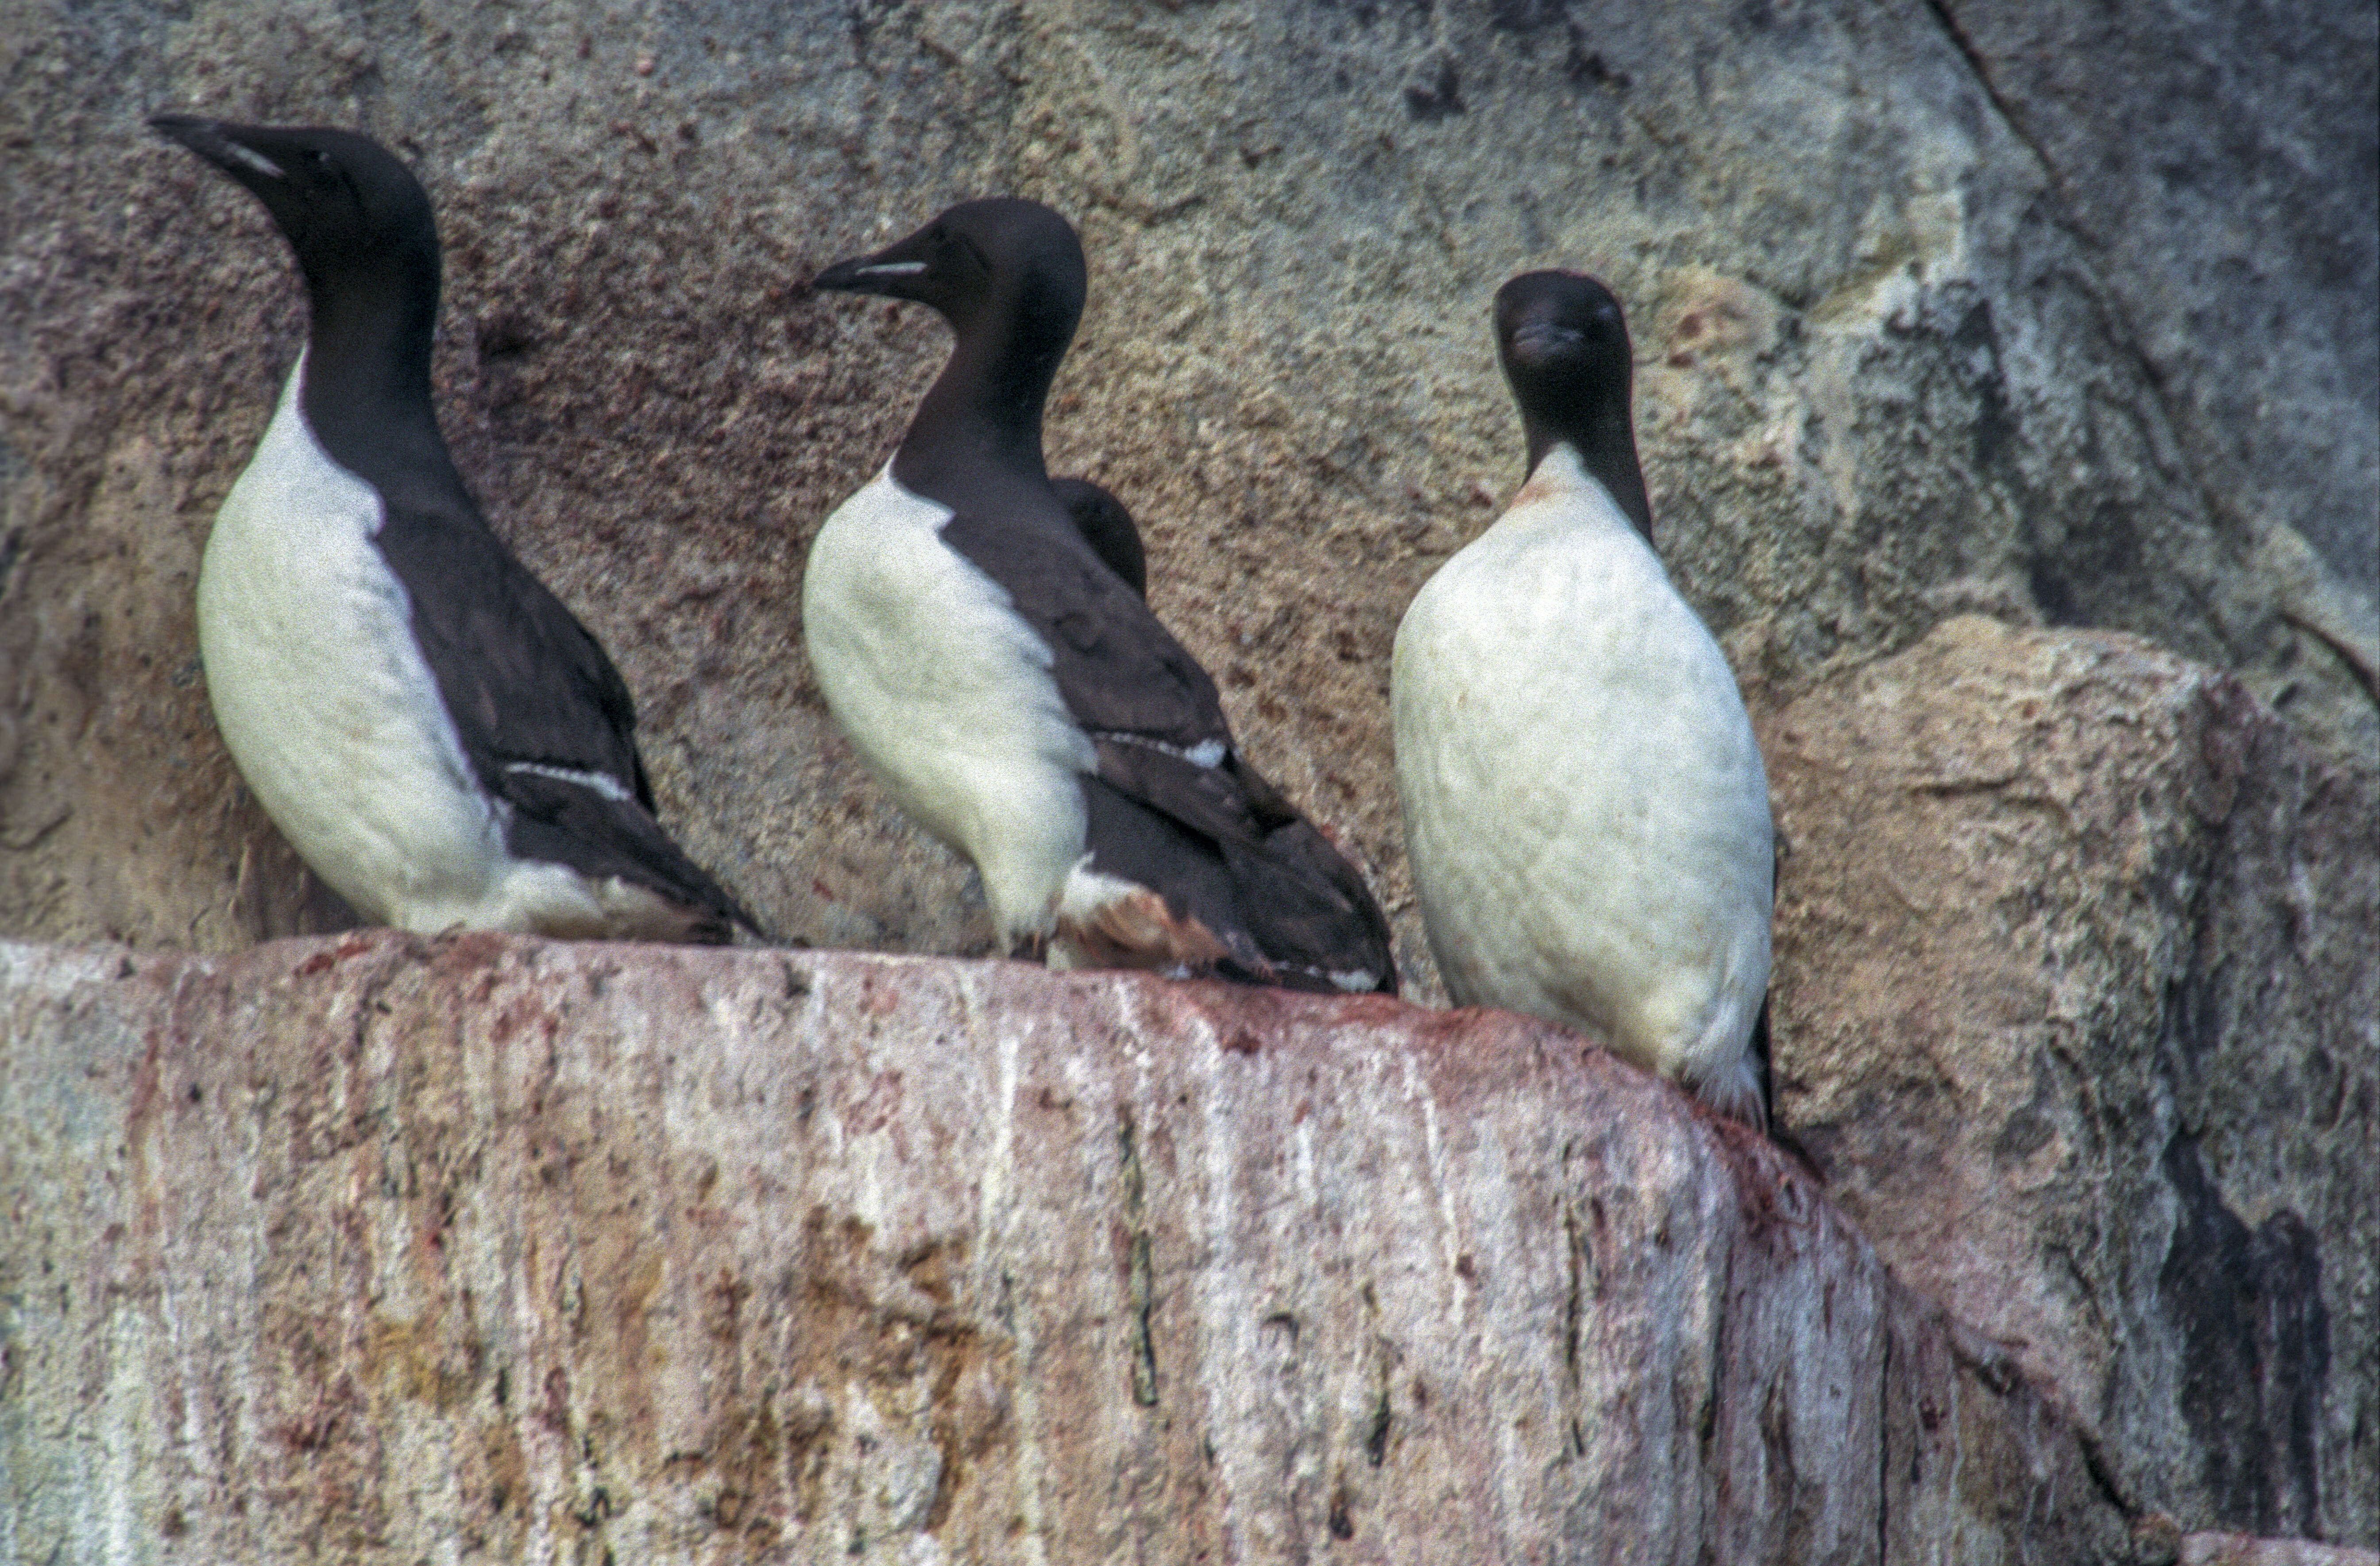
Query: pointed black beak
[880,273]
[220,145]
[1544,339]
[896,271]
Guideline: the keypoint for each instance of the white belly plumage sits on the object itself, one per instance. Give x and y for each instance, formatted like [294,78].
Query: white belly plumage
[948,698]
[1586,809]
[334,716]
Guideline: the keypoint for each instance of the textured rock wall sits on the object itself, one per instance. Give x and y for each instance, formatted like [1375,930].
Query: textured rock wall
[2075,1017]
[390,1250]
[2226,178]
[2239,1549]
[1933,311]
[2078,1013]
[1938,307]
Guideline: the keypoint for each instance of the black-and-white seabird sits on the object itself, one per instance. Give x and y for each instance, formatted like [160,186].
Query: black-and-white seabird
[1015,695]
[1108,528]
[1584,804]
[434,732]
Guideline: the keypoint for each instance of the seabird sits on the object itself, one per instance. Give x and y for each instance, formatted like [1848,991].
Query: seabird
[1108,528]
[1016,696]
[433,731]
[1584,804]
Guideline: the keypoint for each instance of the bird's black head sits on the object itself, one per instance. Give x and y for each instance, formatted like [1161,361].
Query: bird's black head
[1108,528]
[1563,343]
[1565,347]
[346,205]
[1009,277]
[980,262]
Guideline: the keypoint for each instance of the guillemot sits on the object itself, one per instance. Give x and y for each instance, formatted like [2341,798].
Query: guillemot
[437,737]
[1585,809]
[1108,528]
[1013,693]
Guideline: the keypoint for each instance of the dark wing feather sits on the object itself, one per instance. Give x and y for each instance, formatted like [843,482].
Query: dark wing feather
[1762,1044]
[1120,671]
[527,684]
[1220,843]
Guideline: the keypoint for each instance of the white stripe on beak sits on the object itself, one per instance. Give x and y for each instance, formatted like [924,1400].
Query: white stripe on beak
[254,159]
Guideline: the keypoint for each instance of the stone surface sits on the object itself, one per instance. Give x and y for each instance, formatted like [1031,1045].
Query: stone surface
[1938,307]
[388,1250]
[2226,180]
[1906,346]
[2239,1549]
[2079,1013]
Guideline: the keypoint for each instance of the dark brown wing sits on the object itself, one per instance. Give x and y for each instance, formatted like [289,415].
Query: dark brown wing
[538,707]
[1173,806]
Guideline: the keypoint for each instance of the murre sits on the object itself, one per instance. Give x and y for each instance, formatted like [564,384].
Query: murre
[434,732]
[1584,804]
[1016,696]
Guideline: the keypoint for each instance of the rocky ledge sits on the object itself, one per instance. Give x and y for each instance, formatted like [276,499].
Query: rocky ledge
[491,1247]
[540,1252]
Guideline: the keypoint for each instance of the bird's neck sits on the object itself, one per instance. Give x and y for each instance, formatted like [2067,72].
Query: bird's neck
[1604,441]
[984,410]
[1563,492]
[366,390]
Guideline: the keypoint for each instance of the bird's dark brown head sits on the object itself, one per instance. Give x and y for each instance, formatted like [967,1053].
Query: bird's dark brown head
[1563,343]
[345,204]
[994,259]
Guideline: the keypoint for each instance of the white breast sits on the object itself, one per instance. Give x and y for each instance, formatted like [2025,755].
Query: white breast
[1585,809]
[329,708]
[947,696]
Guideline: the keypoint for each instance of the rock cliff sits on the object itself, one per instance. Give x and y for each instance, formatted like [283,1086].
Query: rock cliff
[493,1248]
[2078,1013]
[489,1239]
[2006,393]
[1935,310]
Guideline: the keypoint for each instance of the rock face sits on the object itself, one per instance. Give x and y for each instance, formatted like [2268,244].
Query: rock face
[2078,1012]
[2239,1549]
[2239,241]
[494,1248]
[2074,1012]
[1912,340]
[1943,308]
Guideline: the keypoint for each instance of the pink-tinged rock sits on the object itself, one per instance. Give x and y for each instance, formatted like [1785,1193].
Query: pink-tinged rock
[375,1249]
[2078,1011]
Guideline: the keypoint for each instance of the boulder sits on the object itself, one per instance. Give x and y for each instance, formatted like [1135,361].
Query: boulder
[489,1248]
[2077,1012]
